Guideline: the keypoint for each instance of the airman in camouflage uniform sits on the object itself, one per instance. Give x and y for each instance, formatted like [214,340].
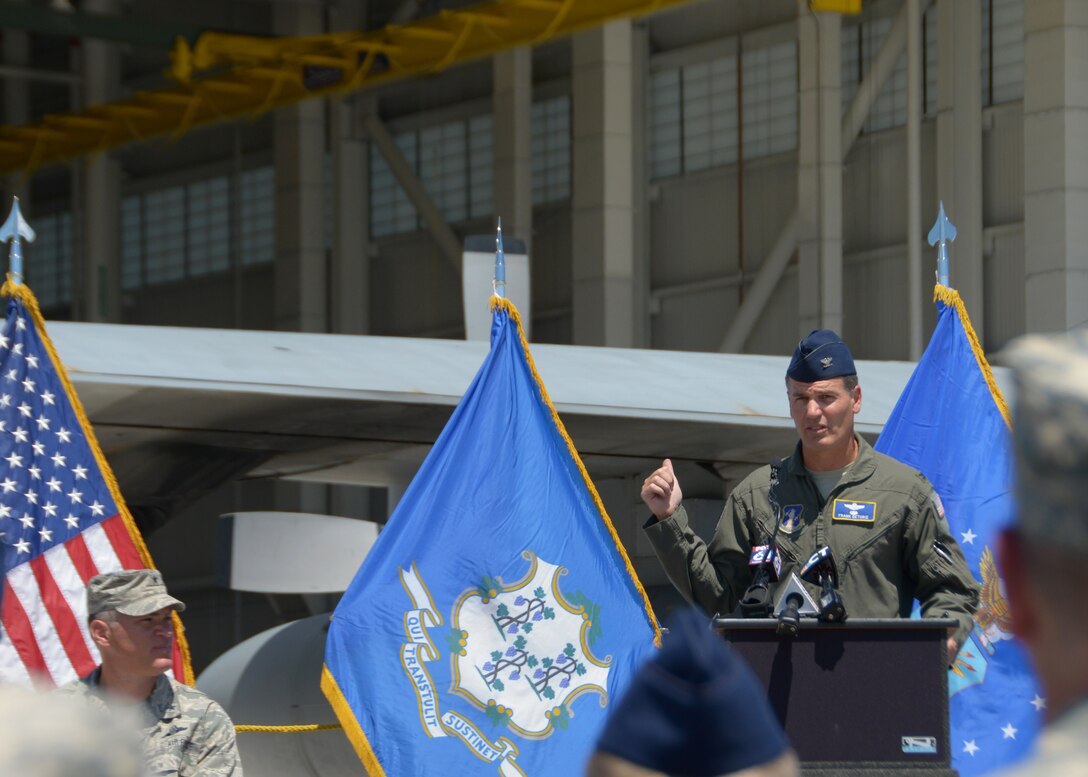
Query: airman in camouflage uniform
[882,520]
[1044,558]
[185,732]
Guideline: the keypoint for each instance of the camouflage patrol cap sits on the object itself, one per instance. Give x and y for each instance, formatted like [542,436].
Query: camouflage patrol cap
[1050,437]
[130,592]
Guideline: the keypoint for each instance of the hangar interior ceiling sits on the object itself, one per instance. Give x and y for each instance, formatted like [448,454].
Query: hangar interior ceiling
[225,75]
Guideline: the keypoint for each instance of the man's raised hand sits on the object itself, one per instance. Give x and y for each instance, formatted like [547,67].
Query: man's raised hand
[661,491]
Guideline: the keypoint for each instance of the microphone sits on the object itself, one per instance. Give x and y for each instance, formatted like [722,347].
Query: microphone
[820,568]
[767,555]
[794,603]
[765,558]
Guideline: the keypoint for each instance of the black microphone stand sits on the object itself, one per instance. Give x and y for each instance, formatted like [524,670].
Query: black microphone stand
[756,601]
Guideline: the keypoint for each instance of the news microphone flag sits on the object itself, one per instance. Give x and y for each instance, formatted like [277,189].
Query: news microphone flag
[62,517]
[497,617]
[952,424]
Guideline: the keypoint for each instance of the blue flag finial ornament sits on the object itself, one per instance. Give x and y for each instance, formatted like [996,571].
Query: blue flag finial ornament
[942,233]
[500,262]
[498,616]
[952,424]
[16,229]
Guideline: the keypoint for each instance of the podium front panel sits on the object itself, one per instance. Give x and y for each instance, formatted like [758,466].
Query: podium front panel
[872,692]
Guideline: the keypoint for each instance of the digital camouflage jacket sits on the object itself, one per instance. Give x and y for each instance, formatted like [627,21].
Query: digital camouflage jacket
[185,733]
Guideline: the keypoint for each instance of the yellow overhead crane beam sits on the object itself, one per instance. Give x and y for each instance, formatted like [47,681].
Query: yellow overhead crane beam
[226,76]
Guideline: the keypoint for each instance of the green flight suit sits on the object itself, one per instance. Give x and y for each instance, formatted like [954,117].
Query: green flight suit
[890,541]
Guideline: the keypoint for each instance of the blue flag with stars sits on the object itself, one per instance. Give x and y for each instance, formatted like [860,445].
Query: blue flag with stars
[952,424]
[497,616]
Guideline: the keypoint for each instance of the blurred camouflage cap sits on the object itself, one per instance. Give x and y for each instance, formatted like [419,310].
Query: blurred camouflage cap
[131,592]
[1050,434]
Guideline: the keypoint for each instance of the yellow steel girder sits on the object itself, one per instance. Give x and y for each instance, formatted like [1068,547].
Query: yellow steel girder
[225,76]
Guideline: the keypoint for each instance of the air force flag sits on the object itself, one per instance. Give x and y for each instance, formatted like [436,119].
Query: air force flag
[951,423]
[497,616]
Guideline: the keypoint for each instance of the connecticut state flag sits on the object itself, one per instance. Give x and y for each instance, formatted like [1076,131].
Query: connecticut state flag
[952,424]
[497,618]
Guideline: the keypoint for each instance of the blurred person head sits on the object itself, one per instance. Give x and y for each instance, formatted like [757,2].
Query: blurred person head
[693,710]
[1044,556]
[48,735]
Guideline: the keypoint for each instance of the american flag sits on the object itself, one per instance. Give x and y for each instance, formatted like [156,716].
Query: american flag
[62,519]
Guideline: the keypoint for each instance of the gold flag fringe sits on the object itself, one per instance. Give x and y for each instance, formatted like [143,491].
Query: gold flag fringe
[23,293]
[951,298]
[354,731]
[502,303]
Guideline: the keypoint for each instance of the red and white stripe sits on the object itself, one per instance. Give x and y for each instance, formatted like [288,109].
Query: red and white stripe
[44,638]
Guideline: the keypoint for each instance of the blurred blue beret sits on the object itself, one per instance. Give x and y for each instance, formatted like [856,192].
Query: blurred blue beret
[695,709]
[820,356]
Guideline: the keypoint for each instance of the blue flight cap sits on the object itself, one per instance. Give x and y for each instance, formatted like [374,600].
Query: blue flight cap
[694,709]
[820,356]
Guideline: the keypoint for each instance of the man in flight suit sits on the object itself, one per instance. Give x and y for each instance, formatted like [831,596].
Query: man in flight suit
[883,521]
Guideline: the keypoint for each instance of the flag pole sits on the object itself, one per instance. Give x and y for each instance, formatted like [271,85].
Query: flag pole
[499,283]
[943,233]
[16,229]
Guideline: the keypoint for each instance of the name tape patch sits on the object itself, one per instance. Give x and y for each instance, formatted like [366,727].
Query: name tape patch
[858,512]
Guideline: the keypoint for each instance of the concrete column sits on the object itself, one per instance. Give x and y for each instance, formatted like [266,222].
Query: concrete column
[301,295]
[1055,167]
[603,202]
[349,272]
[512,79]
[641,188]
[16,51]
[349,280]
[914,177]
[959,144]
[819,171]
[97,280]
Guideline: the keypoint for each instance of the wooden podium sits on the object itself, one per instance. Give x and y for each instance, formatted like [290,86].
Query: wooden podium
[861,698]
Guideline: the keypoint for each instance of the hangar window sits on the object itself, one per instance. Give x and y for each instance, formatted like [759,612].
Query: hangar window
[454,163]
[1002,51]
[257,230]
[695,112]
[769,104]
[390,209]
[481,141]
[551,150]
[861,43]
[164,235]
[184,231]
[49,259]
